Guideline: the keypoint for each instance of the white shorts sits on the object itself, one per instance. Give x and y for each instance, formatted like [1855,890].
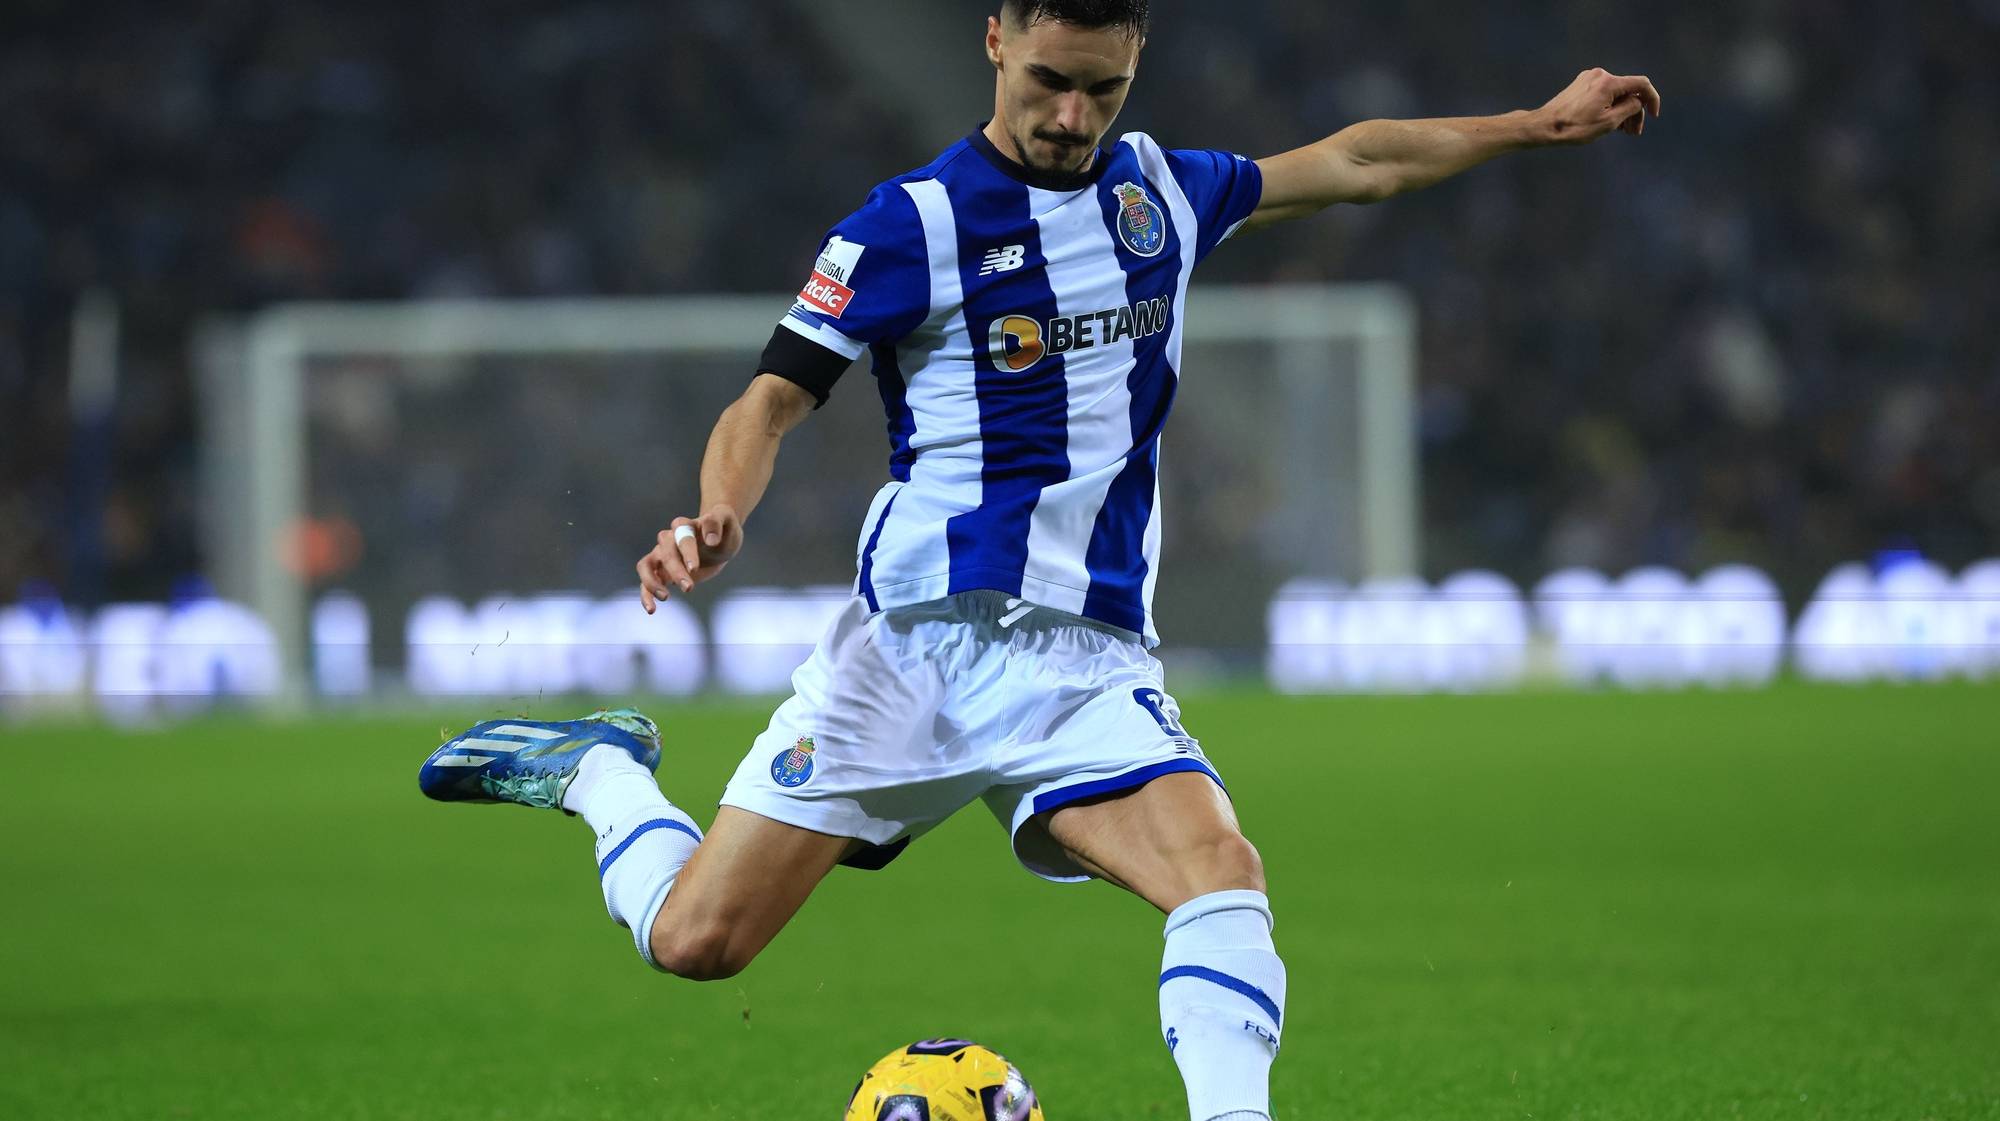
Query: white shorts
[901,718]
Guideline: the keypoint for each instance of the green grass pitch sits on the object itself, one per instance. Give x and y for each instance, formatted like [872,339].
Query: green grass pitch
[1703,905]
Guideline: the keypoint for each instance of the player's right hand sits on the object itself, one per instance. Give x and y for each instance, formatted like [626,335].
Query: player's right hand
[718,536]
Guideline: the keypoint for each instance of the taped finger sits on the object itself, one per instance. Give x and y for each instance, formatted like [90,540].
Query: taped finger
[689,552]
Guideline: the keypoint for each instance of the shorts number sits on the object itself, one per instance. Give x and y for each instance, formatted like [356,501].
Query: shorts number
[1156,705]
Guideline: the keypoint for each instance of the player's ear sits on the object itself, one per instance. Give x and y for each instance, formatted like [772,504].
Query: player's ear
[993,42]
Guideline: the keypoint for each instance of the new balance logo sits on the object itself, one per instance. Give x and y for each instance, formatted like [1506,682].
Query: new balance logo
[1007,258]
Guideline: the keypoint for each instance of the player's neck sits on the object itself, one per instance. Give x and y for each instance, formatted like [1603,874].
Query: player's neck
[994,142]
[996,134]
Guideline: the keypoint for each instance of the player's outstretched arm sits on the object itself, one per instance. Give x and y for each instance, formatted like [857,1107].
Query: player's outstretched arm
[1375,160]
[734,472]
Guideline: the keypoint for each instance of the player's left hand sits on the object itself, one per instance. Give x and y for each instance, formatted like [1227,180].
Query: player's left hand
[1595,104]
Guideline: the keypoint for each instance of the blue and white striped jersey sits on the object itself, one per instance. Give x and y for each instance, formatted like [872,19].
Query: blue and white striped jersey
[1026,338]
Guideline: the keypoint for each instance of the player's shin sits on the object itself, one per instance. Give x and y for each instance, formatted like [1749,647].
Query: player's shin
[643,840]
[1222,1003]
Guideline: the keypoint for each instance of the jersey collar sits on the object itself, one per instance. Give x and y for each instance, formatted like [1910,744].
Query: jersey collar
[1044,180]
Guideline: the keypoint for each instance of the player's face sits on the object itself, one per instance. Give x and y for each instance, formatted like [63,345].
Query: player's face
[1060,87]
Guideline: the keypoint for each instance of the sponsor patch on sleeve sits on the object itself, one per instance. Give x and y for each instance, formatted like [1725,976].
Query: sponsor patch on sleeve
[827,290]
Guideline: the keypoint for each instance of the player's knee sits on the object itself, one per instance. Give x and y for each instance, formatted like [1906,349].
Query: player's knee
[1228,862]
[698,952]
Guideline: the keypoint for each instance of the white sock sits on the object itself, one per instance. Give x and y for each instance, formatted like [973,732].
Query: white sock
[642,839]
[1222,1003]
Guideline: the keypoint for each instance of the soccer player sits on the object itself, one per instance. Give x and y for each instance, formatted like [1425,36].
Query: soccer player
[1021,300]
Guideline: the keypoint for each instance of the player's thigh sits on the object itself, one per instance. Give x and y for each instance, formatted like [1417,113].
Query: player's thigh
[1168,841]
[747,879]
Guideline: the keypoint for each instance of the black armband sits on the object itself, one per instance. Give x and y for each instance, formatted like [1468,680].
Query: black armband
[803,362]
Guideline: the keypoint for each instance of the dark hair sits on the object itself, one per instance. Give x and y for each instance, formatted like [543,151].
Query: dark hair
[1134,15]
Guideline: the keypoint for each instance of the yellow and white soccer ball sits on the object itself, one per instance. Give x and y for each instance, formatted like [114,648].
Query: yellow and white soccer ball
[943,1080]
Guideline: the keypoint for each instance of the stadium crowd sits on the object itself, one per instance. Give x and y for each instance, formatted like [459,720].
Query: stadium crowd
[1764,332]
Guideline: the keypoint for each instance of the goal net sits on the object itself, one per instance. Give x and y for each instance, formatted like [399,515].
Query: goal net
[402,490]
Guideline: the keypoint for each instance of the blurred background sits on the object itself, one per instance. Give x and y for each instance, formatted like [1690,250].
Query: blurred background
[1762,335]
[1656,426]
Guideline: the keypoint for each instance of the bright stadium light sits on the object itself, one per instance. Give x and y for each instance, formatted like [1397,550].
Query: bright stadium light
[1979,597]
[1743,624]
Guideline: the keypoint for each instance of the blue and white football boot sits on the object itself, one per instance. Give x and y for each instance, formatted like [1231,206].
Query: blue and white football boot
[531,762]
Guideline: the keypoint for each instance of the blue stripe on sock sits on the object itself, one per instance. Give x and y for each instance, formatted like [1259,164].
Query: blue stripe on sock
[1233,984]
[604,865]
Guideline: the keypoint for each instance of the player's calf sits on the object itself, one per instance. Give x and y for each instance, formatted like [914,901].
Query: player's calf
[1175,842]
[1222,861]
[746,881]
[698,953]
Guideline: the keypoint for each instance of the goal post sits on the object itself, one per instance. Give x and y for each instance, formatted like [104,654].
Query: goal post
[1318,378]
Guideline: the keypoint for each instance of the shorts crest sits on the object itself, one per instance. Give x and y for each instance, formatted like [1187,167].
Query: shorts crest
[1141,225]
[794,765]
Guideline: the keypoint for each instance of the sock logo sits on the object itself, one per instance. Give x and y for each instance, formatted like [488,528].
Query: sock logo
[1173,1040]
[1262,1032]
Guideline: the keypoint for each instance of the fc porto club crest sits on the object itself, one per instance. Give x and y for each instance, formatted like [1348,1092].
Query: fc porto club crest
[794,765]
[1141,226]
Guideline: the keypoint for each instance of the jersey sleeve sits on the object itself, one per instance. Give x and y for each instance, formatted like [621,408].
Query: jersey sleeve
[1223,188]
[870,284]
